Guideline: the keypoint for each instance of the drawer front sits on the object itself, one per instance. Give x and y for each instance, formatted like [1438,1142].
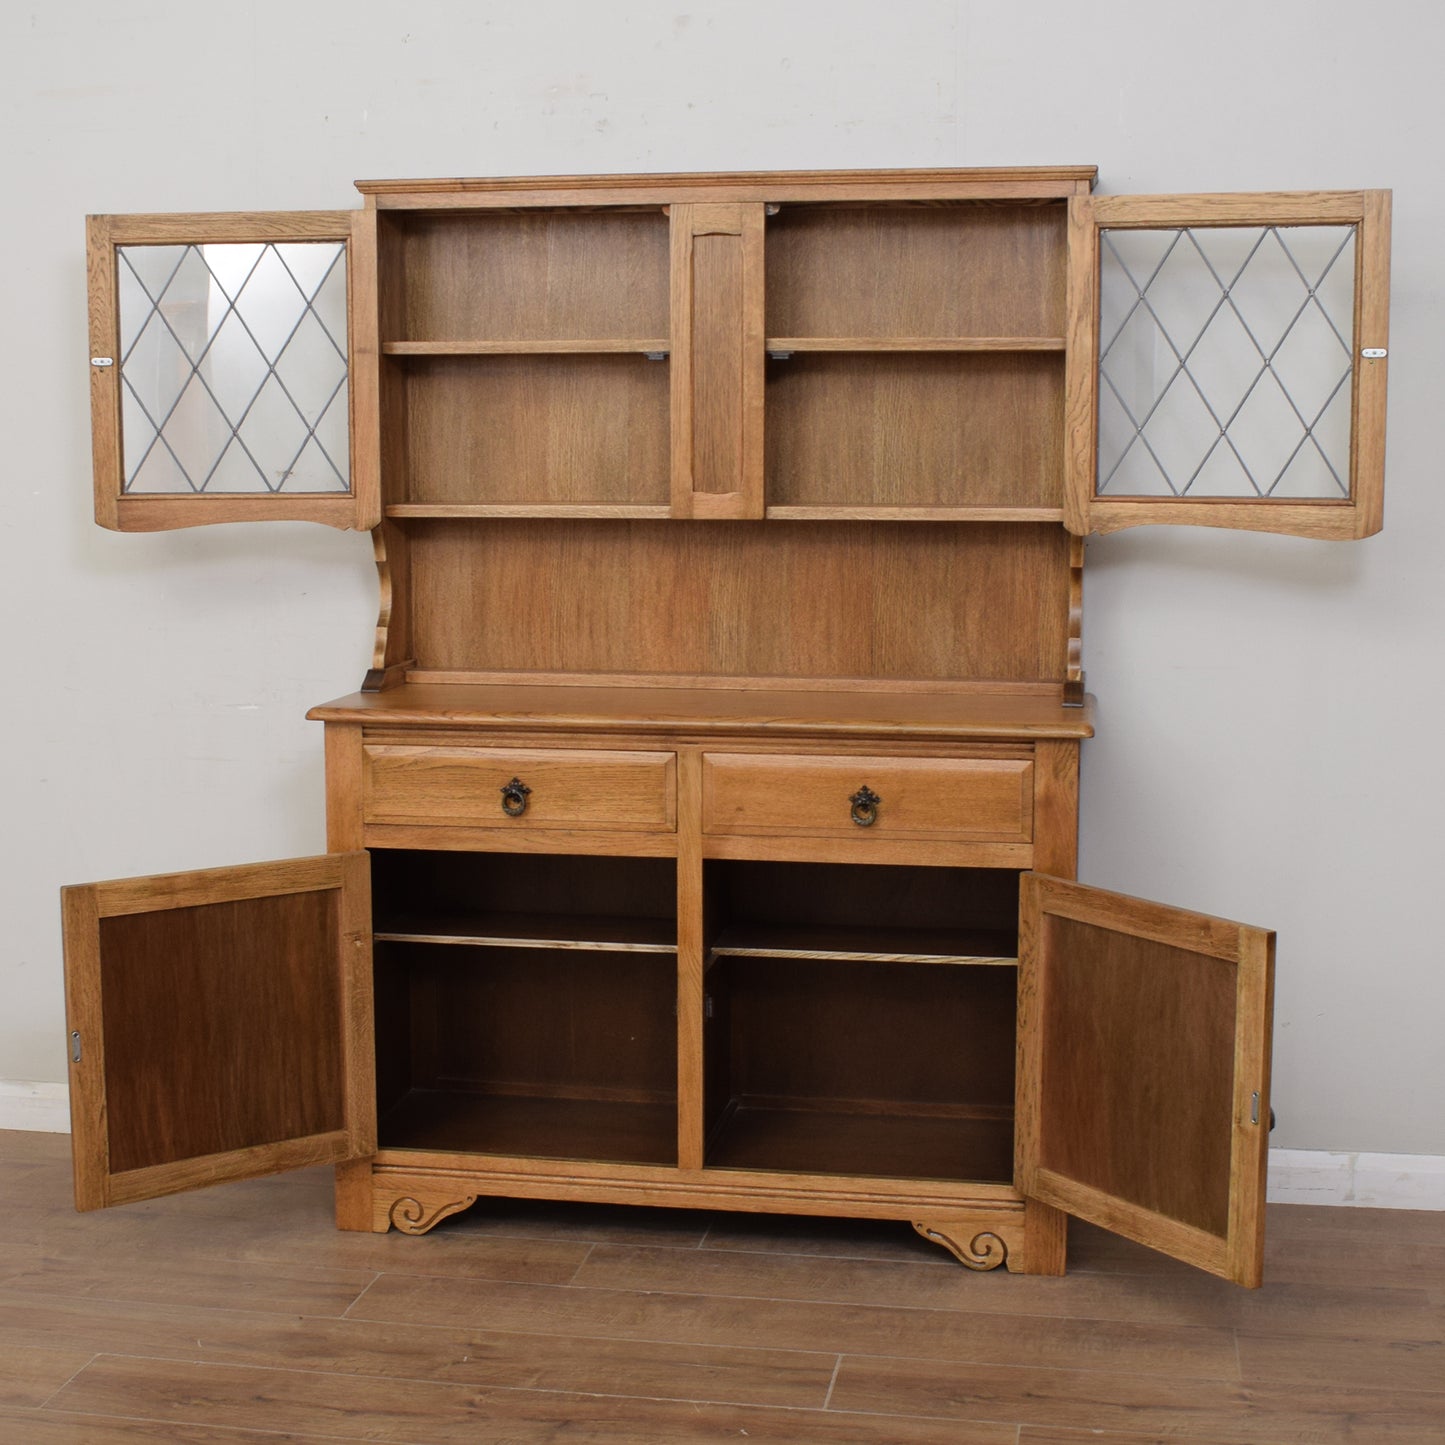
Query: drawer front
[916,798]
[575,788]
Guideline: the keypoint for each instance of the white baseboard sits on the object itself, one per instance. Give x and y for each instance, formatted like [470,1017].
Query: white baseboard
[1296,1176]
[44,1108]
[1375,1181]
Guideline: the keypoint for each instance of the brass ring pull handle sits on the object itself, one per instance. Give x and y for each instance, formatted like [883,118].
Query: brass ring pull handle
[865,803]
[514,798]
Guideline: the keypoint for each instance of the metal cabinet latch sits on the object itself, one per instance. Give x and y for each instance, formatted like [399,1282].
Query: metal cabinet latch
[75,1046]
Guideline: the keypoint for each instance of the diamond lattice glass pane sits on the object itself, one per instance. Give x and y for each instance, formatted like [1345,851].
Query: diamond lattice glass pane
[136,426]
[1222,475]
[1310,362]
[1181,432]
[1267,433]
[196,432]
[152,266]
[333,435]
[1308,475]
[274,434]
[1335,290]
[1269,294]
[158,472]
[1141,364]
[1224,363]
[231,264]
[1183,295]
[271,304]
[156,371]
[1238,382]
[313,471]
[234,368]
[329,303]
[1131,471]
[307,262]
[310,368]
[193,305]
[1128,259]
[236,472]
[236,352]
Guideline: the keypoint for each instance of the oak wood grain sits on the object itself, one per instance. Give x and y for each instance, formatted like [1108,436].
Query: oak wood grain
[751,793]
[737,600]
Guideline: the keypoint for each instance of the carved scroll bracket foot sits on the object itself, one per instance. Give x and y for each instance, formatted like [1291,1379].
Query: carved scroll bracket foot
[979,1249]
[412,1215]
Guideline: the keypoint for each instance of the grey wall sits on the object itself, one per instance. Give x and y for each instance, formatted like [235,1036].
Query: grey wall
[1267,706]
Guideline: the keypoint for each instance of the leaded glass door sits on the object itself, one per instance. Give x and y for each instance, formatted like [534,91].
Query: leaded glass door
[223,383]
[1227,362]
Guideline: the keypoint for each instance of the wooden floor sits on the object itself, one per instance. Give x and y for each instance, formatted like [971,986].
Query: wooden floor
[238,1314]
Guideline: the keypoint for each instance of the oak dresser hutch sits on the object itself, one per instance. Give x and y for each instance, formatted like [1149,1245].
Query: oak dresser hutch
[704,831]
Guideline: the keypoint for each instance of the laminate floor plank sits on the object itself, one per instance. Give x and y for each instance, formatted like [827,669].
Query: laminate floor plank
[1047,1435]
[1194,1300]
[242,1226]
[644,1314]
[1179,1409]
[438,1352]
[1312,1360]
[29,1376]
[421,1413]
[56,1427]
[231,1285]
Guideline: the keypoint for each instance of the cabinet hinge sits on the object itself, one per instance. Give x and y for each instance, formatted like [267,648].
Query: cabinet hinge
[707,1006]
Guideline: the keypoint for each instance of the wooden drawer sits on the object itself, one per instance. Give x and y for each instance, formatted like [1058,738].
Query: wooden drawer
[568,788]
[940,799]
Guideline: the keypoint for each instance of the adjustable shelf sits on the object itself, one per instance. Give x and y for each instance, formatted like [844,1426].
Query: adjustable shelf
[777,345]
[654,348]
[535,930]
[865,945]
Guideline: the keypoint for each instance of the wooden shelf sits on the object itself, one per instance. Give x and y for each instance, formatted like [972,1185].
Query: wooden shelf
[865,945]
[878,1140]
[539,1126]
[826,512]
[915,343]
[528,347]
[535,930]
[624,511]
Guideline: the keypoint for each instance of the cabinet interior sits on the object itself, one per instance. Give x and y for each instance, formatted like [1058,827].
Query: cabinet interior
[860,1019]
[526,1005]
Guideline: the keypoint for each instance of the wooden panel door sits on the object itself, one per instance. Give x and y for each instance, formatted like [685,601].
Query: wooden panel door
[1226,362]
[717,360]
[220,1025]
[1143,1077]
[233,369]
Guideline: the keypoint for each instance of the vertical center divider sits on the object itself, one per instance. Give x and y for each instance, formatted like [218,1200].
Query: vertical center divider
[690,960]
[717,360]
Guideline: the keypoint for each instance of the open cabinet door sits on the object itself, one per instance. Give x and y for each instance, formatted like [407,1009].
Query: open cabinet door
[233,369]
[1226,362]
[220,1025]
[1143,1093]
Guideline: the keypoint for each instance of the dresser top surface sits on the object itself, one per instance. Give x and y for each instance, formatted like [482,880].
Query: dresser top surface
[977,713]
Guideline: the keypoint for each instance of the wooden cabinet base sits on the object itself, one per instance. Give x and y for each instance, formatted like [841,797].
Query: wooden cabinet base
[997,1228]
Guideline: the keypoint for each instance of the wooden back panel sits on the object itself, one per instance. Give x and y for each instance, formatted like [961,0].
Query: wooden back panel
[669,599]
[528,276]
[970,269]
